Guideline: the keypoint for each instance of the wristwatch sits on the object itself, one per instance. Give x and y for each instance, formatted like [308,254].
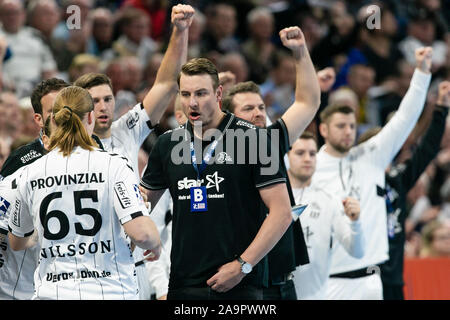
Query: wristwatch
[246,267]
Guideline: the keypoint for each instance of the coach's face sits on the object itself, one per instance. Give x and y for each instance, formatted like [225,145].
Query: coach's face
[250,106]
[47,107]
[104,104]
[199,99]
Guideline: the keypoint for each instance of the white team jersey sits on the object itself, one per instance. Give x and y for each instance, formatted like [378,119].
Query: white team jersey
[78,205]
[361,174]
[324,222]
[16,267]
[127,135]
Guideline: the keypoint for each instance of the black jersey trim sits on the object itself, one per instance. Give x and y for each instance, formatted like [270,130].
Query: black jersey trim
[136,215]
[3,231]
[148,122]
[268,183]
[149,187]
[24,236]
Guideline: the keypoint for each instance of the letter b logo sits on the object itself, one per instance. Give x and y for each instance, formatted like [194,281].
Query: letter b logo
[198,196]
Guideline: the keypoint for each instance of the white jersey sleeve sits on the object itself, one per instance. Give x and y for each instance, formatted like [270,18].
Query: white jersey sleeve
[391,138]
[347,232]
[20,219]
[128,202]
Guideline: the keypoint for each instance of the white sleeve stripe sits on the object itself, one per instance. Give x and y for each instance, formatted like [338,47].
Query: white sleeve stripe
[267,183]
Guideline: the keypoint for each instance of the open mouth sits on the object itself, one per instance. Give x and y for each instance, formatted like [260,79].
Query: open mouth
[103,118]
[194,115]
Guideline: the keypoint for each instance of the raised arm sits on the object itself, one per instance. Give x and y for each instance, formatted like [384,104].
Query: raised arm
[307,90]
[390,139]
[165,86]
[277,221]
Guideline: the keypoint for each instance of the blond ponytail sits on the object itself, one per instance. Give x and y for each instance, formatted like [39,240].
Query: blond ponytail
[71,105]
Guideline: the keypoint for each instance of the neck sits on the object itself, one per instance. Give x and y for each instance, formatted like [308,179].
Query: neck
[104,135]
[333,152]
[297,182]
[215,122]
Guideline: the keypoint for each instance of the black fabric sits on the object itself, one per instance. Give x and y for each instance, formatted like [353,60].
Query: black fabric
[22,156]
[400,180]
[285,291]
[291,250]
[204,241]
[393,292]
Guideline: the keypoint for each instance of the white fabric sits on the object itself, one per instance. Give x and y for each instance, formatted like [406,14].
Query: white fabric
[91,259]
[323,222]
[363,169]
[16,267]
[364,288]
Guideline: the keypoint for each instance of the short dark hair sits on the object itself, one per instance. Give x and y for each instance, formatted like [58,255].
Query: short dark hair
[242,87]
[90,80]
[309,135]
[198,66]
[43,88]
[335,108]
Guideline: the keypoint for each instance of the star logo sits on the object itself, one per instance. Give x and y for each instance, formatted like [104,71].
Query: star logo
[213,180]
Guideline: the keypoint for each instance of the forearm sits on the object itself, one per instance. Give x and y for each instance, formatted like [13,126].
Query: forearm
[307,89]
[165,86]
[18,243]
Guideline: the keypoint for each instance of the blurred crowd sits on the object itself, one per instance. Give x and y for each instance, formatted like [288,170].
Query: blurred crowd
[40,39]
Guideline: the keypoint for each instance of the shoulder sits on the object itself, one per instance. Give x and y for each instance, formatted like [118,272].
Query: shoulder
[116,160]
[243,124]
[22,156]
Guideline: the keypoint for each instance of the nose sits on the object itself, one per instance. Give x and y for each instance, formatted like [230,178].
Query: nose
[192,101]
[100,105]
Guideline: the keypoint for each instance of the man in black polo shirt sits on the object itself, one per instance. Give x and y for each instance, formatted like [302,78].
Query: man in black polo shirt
[220,230]
[245,101]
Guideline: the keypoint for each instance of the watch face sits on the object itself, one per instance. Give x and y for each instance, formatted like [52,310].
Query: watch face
[246,268]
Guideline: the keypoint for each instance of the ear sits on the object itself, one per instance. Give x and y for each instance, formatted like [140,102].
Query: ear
[323,129]
[219,92]
[38,120]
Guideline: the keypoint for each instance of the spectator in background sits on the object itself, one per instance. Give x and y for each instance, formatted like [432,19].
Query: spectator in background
[32,59]
[29,127]
[220,29]
[44,15]
[61,31]
[436,239]
[195,35]
[360,79]
[102,31]
[13,115]
[4,150]
[258,49]
[378,45]
[236,64]
[134,39]
[278,90]
[422,32]
[151,68]
[82,64]
[156,10]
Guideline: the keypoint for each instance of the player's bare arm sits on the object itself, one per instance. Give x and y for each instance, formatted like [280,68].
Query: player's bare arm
[307,90]
[143,233]
[165,87]
[18,243]
[276,223]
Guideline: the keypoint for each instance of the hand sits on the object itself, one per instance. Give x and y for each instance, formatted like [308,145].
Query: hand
[423,59]
[182,16]
[293,39]
[227,277]
[444,94]
[153,254]
[326,77]
[144,196]
[351,208]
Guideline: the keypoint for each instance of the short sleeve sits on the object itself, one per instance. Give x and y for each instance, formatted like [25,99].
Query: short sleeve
[154,177]
[20,221]
[135,123]
[267,170]
[128,202]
